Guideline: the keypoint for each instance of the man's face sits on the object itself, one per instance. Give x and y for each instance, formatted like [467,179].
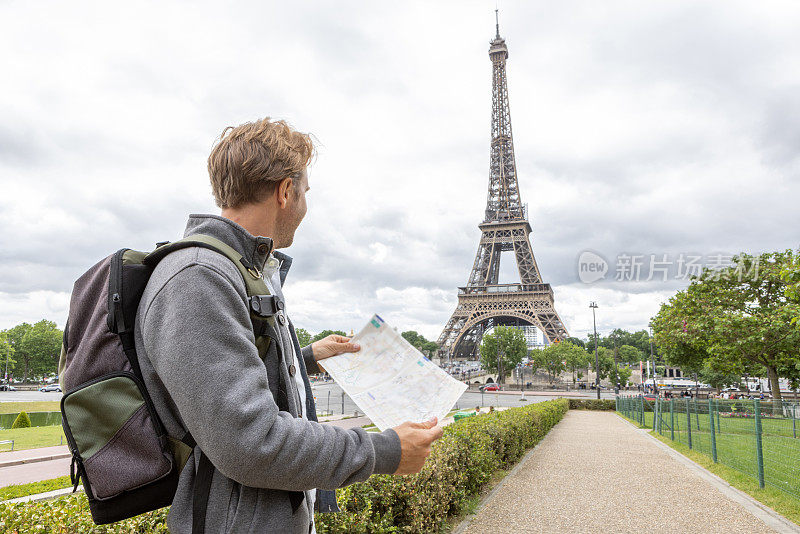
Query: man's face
[290,217]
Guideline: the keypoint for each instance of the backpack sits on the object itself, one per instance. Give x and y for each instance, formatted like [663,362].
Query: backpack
[120,449]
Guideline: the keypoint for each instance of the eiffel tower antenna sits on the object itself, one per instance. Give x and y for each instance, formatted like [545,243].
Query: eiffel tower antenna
[497,21]
[484,302]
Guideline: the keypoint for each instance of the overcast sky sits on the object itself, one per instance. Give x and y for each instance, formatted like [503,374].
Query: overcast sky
[640,128]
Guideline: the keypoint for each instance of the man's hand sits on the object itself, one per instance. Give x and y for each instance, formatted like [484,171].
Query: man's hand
[415,444]
[333,345]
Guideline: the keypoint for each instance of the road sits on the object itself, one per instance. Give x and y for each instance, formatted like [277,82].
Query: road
[331,399]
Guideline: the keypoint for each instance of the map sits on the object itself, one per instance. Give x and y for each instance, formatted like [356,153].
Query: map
[390,380]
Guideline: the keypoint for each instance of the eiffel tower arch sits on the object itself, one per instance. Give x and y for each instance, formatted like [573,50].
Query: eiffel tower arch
[485,303]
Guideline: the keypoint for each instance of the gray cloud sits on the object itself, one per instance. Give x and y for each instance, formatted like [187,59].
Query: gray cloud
[643,129]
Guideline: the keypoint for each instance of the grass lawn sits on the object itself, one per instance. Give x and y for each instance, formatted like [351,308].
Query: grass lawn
[38,406]
[785,504]
[737,460]
[22,490]
[31,438]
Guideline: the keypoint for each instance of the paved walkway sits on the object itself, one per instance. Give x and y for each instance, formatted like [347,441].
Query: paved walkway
[594,472]
[33,465]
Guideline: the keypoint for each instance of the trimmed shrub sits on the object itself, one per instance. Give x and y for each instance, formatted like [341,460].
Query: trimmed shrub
[22,421]
[609,405]
[461,462]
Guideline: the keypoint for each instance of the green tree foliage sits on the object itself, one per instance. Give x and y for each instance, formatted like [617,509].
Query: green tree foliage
[558,357]
[550,360]
[326,333]
[606,361]
[577,342]
[36,347]
[430,347]
[7,361]
[732,320]
[42,345]
[790,273]
[303,337]
[419,342]
[620,375]
[22,421]
[629,354]
[508,344]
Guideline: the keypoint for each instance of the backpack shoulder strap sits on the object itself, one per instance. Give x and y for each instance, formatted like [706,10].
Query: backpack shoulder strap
[250,273]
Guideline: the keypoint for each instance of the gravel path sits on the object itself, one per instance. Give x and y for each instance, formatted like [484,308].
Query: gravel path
[594,472]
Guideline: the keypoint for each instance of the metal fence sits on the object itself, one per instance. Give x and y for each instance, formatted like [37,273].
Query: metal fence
[757,438]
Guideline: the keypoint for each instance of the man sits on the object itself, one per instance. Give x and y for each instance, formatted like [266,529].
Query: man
[258,463]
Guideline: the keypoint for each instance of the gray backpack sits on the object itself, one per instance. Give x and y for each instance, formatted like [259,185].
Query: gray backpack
[120,450]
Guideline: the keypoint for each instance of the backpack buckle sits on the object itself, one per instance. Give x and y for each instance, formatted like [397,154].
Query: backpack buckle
[265,305]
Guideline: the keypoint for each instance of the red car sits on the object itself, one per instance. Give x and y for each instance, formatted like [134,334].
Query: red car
[490,387]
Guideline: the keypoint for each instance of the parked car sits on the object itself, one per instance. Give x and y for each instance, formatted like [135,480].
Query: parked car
[7,387]
[489,387]
[50,387]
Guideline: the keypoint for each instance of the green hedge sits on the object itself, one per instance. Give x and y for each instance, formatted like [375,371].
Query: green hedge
[609,405]
[461,462]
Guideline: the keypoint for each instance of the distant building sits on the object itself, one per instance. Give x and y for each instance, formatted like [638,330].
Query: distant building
[533,337]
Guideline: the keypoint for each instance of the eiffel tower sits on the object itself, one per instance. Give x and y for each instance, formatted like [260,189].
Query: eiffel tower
[484,303]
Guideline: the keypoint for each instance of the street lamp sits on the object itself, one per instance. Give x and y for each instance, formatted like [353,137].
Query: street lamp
[593,306]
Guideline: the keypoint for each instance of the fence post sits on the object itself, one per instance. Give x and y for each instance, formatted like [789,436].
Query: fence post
[713,433]
[696,414]
[716,405]
[655,413]
[759,451]
[794,421]
[689,422]
[672,419]
[660,409]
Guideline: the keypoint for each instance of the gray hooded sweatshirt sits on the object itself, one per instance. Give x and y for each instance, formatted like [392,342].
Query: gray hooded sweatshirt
[197,351]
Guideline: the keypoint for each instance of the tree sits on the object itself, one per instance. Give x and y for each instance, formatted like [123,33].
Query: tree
[620,374]
[790,273]
[577,342]
[419,342]
[732,319]
[7,362]
[551,359]
[41,346]
[571,356]
[606,361]
[506,344]
[430,347]
[629,354]
[414,338]
[326,333]
[303,337]
[14,336]
[23,420]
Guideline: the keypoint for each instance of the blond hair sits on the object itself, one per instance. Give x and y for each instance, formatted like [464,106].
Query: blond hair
[250,159]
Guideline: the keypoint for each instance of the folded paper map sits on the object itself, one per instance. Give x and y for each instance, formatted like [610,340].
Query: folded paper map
[390,380]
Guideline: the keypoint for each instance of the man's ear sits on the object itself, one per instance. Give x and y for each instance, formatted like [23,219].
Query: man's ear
[283,191]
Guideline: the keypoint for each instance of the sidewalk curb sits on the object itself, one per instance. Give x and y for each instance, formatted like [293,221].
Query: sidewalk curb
[43,496]
[34,460]
[764,513]
[465,523]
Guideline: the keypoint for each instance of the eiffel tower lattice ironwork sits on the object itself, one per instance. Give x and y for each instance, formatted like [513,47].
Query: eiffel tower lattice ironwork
[484,302]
